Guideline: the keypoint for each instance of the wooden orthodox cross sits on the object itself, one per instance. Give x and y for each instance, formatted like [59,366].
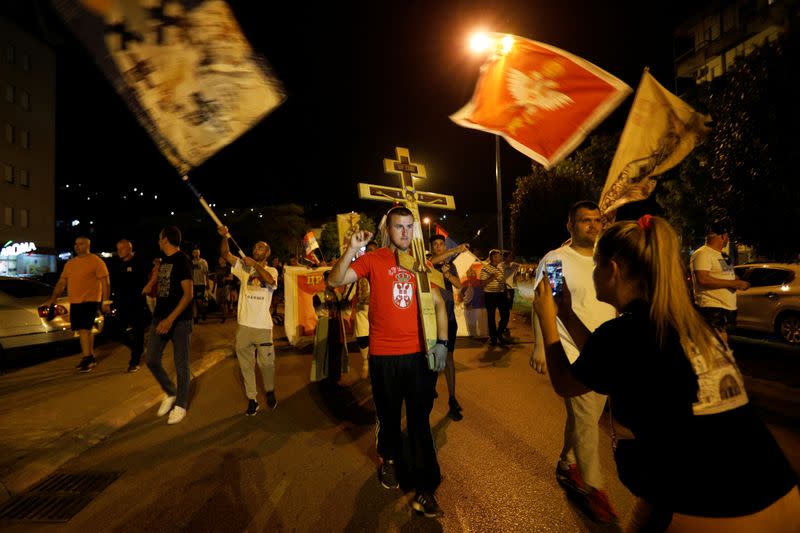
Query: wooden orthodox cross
[412,199]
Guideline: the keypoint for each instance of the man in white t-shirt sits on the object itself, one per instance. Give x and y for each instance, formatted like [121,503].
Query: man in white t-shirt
[578,468]
[254,334]
[714,281]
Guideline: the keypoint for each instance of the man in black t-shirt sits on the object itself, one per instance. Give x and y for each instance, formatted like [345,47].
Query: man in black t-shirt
[172,320]
[129,275]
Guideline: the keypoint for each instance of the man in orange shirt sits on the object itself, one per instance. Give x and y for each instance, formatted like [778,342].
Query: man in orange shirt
[85,277]
[398,366]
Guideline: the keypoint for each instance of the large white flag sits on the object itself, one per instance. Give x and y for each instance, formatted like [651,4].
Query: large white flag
[183,67]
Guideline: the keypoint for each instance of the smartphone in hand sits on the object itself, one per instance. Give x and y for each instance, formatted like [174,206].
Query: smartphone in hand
[555,273]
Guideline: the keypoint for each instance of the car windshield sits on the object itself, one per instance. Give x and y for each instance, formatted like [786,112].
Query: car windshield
[25,288]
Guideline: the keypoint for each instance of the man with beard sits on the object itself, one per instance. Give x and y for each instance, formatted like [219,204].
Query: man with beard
[254,334]
[398,366]
[578,468]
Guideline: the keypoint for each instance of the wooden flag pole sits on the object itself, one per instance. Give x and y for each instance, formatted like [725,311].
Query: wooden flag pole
[211,212]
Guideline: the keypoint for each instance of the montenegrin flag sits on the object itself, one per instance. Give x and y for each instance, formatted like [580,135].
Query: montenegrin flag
[184,67]
[542,100]
[660,131]
[309,245]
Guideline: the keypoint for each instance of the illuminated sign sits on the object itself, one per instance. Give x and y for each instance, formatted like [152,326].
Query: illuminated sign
[17,248]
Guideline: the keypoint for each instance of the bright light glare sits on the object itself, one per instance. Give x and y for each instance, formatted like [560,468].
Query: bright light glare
[480,42]
[426,220]
[507,43]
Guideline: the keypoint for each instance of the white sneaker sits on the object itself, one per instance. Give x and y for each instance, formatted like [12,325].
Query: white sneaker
[166,405]
[177,414]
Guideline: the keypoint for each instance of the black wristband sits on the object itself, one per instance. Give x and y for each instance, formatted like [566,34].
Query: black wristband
[442,342]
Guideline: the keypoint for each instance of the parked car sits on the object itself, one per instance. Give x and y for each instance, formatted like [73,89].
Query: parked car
[23,320]
[772,303]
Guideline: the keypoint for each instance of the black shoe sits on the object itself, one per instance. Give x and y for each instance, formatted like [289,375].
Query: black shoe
[272,402]
[88,364]
[252,408]
[425,503]
[453,403]
[82,361]
[387,475]
[133,368]
[454,414]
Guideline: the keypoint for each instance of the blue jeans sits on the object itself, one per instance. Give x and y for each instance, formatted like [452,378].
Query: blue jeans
[179,335]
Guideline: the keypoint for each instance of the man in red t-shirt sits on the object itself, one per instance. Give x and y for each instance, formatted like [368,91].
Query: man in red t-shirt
[398,365]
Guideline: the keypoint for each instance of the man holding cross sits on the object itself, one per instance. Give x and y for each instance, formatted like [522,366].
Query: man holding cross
[398,367]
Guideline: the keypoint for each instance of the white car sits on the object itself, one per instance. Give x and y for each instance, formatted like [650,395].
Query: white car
[23,322]
[772,303]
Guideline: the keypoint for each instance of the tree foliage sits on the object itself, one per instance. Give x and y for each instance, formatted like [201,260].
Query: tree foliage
[542,199]
[746,171]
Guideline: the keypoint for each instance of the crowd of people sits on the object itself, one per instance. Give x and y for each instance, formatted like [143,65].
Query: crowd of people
[613,326]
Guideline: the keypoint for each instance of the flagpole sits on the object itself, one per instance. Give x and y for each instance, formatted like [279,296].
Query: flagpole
[499,192]
[210,211]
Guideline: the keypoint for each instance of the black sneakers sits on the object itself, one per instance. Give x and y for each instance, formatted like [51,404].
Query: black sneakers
[252,408]
[272,402]
[87,364]
[425,503]
[132,368]
[387,475]
[455,409]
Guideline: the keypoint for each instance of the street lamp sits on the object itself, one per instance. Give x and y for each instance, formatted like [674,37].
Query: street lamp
[427,222]
[498,45]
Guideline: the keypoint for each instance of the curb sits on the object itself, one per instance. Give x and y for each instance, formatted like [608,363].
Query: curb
[38,465]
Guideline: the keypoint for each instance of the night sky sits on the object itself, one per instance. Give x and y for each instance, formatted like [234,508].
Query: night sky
[361,78]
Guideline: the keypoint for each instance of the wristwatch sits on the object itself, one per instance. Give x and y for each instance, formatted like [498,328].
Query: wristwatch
[442,342]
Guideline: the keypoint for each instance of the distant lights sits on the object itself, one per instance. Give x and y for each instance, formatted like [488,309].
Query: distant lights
[172,212]
[135,189]
[76,222]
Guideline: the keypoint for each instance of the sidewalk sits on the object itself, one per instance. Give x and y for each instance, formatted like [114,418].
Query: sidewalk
[51,413]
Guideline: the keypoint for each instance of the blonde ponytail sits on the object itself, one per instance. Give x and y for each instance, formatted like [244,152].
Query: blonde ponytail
[649,251]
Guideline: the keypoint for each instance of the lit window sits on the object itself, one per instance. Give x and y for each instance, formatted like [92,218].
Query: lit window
[8,216]
[9,133]
[9,93]
[25,100]
[25,62]
[8,173]
[23,218]
[25,139]
[24,178]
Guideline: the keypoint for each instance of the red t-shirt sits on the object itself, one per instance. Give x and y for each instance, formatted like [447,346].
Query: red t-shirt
[393,315]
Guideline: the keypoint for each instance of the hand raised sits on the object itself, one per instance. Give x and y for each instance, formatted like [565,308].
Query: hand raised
[360,239]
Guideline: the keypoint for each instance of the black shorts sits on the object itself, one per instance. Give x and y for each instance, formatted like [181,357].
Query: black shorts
[199,292]
[718,318]
[81,316]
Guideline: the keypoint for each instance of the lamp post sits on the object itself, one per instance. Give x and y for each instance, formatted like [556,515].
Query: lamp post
[427,222]
[499,46]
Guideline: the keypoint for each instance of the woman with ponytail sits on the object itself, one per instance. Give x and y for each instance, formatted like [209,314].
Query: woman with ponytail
[701,460]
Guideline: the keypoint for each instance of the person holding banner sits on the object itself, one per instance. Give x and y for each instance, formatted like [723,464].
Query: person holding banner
[172,321]
[254,334]
[399,369]
[362,317]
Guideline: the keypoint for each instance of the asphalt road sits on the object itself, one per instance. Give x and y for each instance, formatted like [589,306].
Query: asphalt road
[310,464]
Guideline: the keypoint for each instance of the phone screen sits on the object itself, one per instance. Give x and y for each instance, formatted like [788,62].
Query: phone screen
[555,274]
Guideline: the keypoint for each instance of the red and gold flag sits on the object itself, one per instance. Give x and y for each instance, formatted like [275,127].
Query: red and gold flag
[542,100]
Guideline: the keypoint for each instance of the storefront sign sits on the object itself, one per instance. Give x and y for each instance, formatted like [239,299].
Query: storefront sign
[17,248]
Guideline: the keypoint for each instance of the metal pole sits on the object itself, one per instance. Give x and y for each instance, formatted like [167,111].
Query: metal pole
[499,192]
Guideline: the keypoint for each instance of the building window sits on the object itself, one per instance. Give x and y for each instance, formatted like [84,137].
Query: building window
[9,93]
[25,139]
[24,178]
[25,100]
[8,216]
[10,54]
[23,218]
[8,173]
[9,133]
[25,62]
